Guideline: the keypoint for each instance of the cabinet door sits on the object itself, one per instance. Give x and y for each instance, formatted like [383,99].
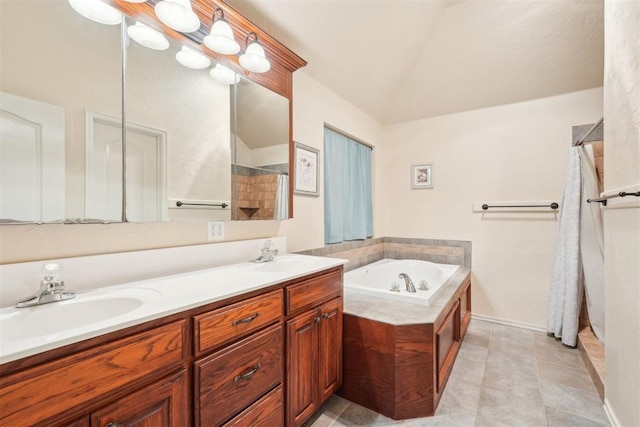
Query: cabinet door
[447,343]
[330,352]
[163,404]
[302,362]
[465,310]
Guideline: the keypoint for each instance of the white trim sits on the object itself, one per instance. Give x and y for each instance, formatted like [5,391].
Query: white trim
[528,326]
[610,414]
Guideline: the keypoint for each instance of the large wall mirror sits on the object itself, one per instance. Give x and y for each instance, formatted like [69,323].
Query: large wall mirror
[196,149]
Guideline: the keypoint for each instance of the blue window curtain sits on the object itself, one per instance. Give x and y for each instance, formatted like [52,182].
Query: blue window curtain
[348,205]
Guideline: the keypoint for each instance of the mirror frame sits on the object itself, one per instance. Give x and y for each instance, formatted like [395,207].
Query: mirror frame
[284,62]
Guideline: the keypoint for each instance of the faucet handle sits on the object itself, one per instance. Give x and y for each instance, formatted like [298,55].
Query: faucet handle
[268,245]
[52,272]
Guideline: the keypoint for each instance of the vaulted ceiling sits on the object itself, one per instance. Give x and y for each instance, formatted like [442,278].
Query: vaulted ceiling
[401,60]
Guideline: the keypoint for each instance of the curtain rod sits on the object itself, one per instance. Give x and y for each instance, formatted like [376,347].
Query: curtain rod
[589,132]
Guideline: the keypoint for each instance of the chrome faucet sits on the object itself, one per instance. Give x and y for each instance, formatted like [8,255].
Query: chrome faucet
[51,288]
[408,282]
[268,252]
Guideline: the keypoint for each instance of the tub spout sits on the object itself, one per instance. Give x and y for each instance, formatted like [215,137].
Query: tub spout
[408,282]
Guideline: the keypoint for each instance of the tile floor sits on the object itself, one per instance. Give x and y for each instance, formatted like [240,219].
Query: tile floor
[503,376]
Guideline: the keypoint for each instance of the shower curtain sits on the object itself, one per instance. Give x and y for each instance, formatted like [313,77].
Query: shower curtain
[579,244]
[281,211]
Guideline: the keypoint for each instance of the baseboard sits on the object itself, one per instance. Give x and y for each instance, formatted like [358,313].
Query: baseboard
[521,325]
[612,417]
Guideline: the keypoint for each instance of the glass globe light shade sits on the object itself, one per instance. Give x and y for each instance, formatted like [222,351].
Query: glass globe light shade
[178,15]
[221,39]
[148,37]
[254,60]
[97,11]
[224,75]
[192,59]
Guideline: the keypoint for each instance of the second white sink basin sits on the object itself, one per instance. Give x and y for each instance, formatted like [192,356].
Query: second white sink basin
[46,321]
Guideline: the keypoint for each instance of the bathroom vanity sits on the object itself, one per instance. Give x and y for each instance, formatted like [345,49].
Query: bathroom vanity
[270,353]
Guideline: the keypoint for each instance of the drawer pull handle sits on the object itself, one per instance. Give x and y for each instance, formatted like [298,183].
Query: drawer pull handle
[247,375]
[112,424]
[245,320]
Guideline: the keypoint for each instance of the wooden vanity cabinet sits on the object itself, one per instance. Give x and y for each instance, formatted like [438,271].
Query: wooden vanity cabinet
[314,344]
[221,364]
[165,403]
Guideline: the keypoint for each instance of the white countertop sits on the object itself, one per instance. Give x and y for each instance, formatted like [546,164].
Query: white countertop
[21,330]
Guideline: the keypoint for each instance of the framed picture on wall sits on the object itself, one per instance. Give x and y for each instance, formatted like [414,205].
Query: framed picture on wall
[422,175]
[306,160]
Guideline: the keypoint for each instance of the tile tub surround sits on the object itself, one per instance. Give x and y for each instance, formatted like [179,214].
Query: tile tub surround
[494,385]
[362,252]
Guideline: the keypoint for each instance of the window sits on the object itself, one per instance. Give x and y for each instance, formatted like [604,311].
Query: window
[348,205]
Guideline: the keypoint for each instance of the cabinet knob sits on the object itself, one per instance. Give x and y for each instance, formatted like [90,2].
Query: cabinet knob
[326,315]
[317,319]
[112,424]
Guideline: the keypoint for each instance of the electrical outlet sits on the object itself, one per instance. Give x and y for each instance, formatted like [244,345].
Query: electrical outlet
[215,230]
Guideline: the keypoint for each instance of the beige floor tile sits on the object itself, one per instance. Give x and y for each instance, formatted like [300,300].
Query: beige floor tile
[459,397]
[568,357]
[569,399]
[468,370]
[449,420]
[558,418]
[515,383]
[564,375]
[473,352]
[356,415]
[501,408]
[524,363]
[328,413]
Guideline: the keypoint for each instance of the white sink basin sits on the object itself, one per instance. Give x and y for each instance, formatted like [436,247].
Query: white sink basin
[46,321]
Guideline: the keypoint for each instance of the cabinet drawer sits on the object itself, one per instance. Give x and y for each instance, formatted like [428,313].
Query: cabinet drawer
[231,379]
[237,320]
[268,412]
[310,292]
[46,390]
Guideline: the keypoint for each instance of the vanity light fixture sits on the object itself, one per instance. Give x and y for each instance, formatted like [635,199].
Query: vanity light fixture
[178,15]
[97,11]
[148,37]
[253,59]
[220,38]
[224,75]
[192,58]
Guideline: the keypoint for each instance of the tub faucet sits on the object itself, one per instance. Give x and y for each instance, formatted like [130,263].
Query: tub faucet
[268,252]
[408,282]
[51,288]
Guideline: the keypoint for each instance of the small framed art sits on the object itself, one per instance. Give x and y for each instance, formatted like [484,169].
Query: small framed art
[306,160]
[422,175]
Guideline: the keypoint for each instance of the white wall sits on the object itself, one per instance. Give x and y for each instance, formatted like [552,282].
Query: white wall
[622,216]
[313,105]
[509,153]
